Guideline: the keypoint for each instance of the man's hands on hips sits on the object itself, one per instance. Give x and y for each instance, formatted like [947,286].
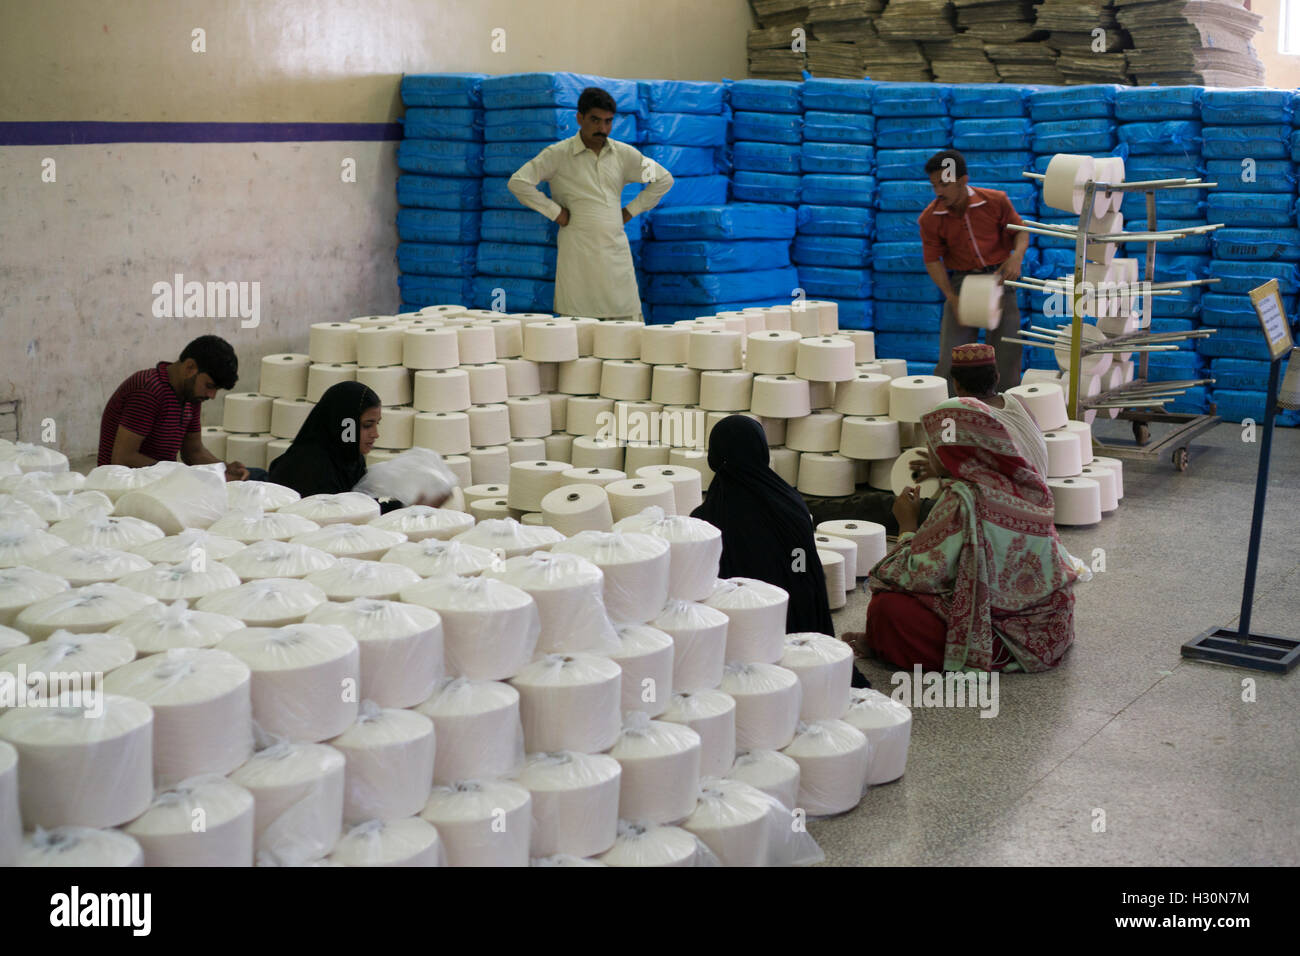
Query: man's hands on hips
[1010,269]
[563,218]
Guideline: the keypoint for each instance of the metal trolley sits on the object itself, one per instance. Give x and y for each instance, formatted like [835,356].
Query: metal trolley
[1139,401]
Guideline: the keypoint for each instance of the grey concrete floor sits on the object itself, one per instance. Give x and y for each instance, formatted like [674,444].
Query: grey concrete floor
[1165,752]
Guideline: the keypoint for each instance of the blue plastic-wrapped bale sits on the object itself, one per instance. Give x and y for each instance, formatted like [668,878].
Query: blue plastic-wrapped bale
[828,282]
[1169,137]
[901,132]
[504,159]
[1229,311]
[1022,196]
[682,96]
[821,189]
[1140,104]
[1241,374]
[837,252]
[1184,306]
[1052,242]
[523,90]
[913,347]
[524,261]
[549,124]
[1246,142]
[910,99]
[430,192]
[1235,343]
[438,225]
[1241,277]
[1237,405]
[1175,268]
[1161,324]
[768,127]
[1295,146]
[1252,176]
[898,256]
[1193,401]
[704,288]
[517,225]
[766,188]
[1195,244]
[838,96]
[988,100]
[896,226]
[856,313]
[514,294]
[443,90]
[998,166]
[1251,209]
[904,195]
[756,157]
[684,161]
[992,134]
[714,255]
[908,317]
[1091,136]
[908,164]
[444,124]
[440,157]
[853,221]
[419,291]
[824,127]
[914,287]
[1155,166]
[497,195]
[696,191]
[767,96]
[1246,107]
[734,221]
[1170,204]
[1073,102]
[848,158]
[1267,244]
[436,259]
[685,129]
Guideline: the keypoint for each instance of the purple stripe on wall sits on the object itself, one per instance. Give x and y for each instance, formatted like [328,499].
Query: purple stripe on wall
[84,133]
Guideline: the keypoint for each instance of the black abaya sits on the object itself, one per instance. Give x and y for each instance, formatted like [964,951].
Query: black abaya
[325,457]
[767,532]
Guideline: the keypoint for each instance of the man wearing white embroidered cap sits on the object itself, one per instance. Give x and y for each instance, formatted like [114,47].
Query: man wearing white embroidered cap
[594,275]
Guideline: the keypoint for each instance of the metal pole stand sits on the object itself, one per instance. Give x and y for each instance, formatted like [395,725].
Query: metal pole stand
[1241,648]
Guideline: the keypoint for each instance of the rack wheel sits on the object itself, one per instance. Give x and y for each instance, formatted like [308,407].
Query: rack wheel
[1141,433]
[1180,458]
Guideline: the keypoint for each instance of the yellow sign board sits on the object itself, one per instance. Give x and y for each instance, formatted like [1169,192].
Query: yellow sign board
[1267,300]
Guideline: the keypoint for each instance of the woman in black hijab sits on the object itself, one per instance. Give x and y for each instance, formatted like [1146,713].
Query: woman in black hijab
[767,532]
[327,456]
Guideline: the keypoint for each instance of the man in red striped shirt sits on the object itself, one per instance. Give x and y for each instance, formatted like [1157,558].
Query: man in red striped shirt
[154,415]
[964,231]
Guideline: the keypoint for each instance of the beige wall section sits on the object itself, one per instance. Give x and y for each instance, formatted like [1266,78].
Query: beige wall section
[1281,71]
[333,60]
[80,266]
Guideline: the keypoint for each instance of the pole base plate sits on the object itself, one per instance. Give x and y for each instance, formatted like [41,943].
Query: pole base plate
[1260,652]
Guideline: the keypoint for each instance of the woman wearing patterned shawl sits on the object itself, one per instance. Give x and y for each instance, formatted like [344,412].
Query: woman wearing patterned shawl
[985,583]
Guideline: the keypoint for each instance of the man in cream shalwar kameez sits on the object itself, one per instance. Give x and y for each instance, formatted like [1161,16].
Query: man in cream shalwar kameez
[594,275]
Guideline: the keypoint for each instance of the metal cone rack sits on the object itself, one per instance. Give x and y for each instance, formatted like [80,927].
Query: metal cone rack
[1140,401]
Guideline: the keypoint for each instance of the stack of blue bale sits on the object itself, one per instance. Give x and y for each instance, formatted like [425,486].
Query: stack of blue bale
[524,113]
[1247,136]
[836,211]
[766,114]
[992,129]
[1159,131]
[705,259]
[1074,119]
[912,124]
[684,128]
[438,190]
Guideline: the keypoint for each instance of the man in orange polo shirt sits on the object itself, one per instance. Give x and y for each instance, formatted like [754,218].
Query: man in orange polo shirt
[963,232]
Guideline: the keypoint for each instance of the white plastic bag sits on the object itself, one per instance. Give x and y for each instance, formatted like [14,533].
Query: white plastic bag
[416,476]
